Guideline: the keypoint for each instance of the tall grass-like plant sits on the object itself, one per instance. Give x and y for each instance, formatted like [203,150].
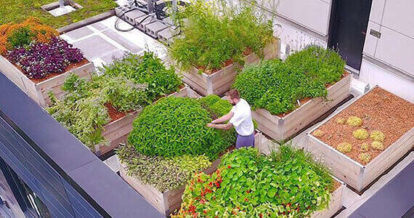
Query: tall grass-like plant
[214,33]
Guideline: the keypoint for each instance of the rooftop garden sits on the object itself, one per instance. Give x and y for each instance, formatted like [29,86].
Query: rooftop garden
[15,11]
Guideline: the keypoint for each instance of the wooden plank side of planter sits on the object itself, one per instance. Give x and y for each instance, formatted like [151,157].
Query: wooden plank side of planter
[283,128]
[335,204]
[54,84]
[341,166]
[221,81]
[151,194]
[388,157]
[39,91]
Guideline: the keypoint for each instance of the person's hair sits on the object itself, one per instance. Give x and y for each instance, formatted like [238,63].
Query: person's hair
[233,94]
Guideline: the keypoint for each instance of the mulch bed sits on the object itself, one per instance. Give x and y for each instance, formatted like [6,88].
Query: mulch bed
[379,110]
[113,113]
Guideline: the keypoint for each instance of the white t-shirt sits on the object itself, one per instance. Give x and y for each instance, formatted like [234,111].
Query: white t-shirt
[242,118]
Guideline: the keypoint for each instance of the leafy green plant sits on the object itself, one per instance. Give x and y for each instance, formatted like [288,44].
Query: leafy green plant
[146,69]
[21,37]
[162,173]
[176,126]
[213,33]
[82,110]
[247,184]
[277,86]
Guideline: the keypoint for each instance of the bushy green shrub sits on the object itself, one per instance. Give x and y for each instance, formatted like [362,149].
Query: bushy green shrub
[162,173]
[82,110]
[214,33]
[147,69]
[321,64]
[175,126]
[276,86]
[248,184]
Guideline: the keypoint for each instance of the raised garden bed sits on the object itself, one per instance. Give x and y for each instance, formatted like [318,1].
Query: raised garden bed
[217,39]
[249,184]
[221,80]
[360,142]
[288,96]
[35,59]
[38,90]
[283,127]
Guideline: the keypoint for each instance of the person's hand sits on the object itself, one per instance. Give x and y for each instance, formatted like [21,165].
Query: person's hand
[210,125]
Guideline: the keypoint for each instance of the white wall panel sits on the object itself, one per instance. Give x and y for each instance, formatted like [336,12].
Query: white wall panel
[396,50]
[399,16]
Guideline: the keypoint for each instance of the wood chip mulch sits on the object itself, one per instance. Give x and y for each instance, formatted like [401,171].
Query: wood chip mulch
[379,110]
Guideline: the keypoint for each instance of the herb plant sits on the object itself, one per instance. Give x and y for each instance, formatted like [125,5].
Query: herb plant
[147,69]
[176,126]
[162,173]
[277,86]
[214,33]
[247,184]
[82,110]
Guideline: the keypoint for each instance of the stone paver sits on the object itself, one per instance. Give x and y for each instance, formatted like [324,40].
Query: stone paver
[109,58]
[79,33]
[94,46]
[132,47]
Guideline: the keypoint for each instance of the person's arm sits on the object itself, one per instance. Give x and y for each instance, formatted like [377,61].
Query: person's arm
[226,126]
[223,118]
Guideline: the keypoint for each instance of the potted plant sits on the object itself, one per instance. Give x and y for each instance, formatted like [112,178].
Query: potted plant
[288,96]
[217,40]
[360,142]
[169,142]
[100,112]
[35,59]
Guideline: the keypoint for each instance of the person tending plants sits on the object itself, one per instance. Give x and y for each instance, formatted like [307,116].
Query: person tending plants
[240,117]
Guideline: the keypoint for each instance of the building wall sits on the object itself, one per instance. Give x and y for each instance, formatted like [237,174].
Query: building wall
[388,60]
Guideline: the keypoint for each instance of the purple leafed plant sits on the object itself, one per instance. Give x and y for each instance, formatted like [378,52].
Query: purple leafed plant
[40,59]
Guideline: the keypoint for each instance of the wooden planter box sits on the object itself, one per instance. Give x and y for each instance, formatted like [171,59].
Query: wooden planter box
[39,91]
[221,81]
[117,131]
[165,202]
[266,146]
[282,128]
[354,174]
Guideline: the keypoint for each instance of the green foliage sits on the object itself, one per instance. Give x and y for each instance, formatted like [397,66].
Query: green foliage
[277,86]
[360,134]
[175,126]
[82,110]
[354,121]
[147,69]
[213,33]
[162,173]
[21,37]
[19,10]
[344,147]
[247,184]
[377,135]
[321,64]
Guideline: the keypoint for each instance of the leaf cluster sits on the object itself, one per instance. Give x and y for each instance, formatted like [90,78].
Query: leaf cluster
[277,86]
[286,184]
[83,111]
[162,173]
[213,33]
[146,69]
[175,126]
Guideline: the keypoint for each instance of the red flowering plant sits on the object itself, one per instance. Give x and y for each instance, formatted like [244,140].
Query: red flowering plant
[285,184]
